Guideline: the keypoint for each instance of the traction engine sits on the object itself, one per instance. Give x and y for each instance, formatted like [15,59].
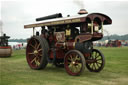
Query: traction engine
[67,42]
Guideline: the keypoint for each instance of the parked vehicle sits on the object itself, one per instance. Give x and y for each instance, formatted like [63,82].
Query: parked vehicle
[5,49]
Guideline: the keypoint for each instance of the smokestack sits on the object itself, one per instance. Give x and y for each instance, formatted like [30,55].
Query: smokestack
[82,11]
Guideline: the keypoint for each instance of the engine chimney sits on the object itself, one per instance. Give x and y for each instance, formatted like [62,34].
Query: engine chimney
[82,11]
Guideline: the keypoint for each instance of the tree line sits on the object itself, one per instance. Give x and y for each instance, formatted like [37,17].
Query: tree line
[115,37]
[17,40]
[111,37]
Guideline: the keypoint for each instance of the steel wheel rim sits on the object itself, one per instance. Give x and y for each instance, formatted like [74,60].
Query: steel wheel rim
[34,53]
[73,63]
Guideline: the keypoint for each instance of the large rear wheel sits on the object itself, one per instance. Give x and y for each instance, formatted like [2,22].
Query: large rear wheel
[37,53]
[74,62]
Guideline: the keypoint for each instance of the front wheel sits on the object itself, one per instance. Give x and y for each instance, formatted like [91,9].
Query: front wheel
[97,61]
[74,62]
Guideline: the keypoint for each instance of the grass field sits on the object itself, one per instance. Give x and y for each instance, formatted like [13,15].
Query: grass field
[15,71]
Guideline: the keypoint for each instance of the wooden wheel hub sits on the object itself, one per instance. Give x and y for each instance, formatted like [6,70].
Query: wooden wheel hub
[35,52]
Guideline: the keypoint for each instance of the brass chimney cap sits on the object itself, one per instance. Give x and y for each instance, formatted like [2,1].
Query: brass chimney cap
[82,11]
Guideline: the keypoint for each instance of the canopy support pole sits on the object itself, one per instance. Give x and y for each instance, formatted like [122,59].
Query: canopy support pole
[33,31]
[102,27]
[91,27]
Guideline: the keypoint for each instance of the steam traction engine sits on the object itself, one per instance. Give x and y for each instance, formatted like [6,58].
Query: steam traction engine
[67,42]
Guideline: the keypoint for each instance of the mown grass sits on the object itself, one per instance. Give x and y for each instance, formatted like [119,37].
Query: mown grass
[15,71]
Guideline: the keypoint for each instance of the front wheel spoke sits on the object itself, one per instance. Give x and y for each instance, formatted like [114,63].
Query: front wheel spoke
[99,62]
[97,65]
[98,59]
[91,65]
[94,66]
[97,56]
[94,53]
[92,57]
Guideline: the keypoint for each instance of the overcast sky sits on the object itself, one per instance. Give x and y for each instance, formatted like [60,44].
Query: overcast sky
[16,13]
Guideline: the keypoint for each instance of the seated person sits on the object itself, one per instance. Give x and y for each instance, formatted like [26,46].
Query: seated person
[71,32]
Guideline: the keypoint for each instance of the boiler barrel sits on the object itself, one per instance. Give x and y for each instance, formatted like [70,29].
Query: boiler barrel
[58,15]
[5,51]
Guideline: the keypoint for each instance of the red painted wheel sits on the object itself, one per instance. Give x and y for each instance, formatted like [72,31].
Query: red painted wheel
[37,53]
[97,61]
[74,62]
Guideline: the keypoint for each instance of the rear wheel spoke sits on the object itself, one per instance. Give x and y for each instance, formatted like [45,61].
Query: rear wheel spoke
[38,46]
[33,60]
[39,50]
[37,62]
[32,46]
[35,43]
